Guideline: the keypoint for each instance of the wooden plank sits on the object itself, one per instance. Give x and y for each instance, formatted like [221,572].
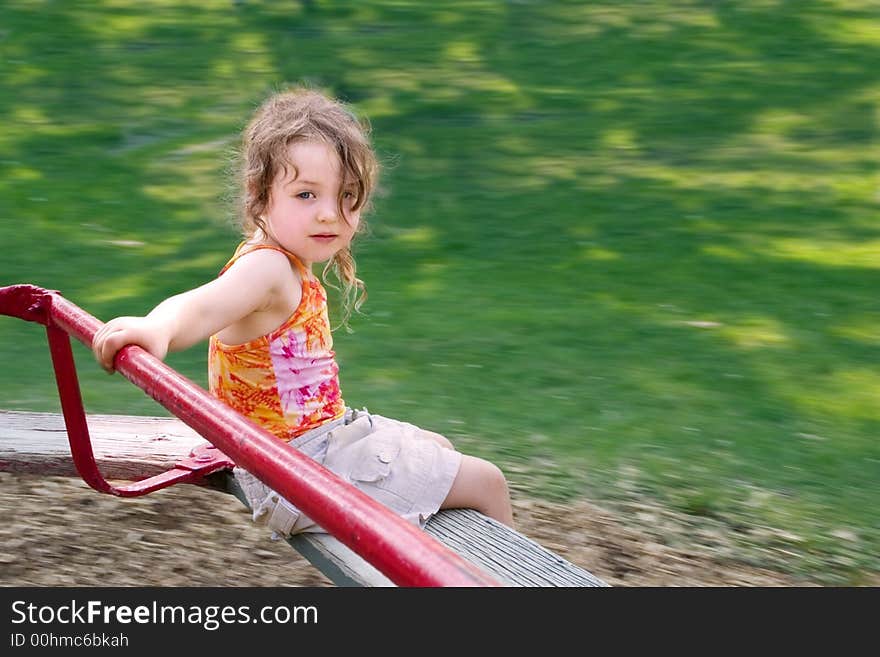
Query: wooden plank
[504,553]
[133,448]
[510,557]
[125,447]
[338,562]
[130,447]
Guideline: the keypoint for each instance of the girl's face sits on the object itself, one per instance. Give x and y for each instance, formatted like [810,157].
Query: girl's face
[303,214]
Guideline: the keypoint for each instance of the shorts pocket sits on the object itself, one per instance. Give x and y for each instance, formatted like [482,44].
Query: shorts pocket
[267,506]
[254,490]
[376,458]
[282,515]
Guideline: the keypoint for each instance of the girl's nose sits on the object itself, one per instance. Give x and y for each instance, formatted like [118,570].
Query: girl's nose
[329,211]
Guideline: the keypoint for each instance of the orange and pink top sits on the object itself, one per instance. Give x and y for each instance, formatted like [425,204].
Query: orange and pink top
[288,380]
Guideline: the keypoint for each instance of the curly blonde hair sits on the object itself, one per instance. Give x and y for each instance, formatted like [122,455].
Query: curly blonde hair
[304,114]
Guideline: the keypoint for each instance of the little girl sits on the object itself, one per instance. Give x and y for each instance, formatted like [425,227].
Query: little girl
[308,173]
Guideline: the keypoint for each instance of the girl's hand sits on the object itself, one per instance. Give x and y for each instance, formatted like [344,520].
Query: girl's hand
[122,331]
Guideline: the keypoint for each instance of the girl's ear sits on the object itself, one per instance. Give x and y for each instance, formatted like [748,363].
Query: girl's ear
[261,198]
[254,189]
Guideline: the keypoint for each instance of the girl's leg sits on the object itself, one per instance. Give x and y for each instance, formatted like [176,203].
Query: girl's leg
[480,485]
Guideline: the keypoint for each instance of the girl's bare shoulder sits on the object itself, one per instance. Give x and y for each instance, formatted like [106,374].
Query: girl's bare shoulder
[265,263]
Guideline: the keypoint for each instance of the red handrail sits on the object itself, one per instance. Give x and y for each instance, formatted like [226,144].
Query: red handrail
[403,553]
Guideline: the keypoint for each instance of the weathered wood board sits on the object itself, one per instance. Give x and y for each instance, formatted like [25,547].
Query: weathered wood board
[133,448]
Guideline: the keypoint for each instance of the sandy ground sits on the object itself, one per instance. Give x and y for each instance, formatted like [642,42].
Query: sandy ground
[58,532]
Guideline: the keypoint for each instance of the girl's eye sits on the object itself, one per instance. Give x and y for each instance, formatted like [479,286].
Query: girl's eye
[305,195]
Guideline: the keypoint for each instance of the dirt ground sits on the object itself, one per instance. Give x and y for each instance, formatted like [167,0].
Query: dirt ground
[58,532]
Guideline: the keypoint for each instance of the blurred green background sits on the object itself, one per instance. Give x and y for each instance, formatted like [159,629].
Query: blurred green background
[625,250]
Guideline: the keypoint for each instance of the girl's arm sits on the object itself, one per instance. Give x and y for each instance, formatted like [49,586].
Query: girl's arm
[253,283]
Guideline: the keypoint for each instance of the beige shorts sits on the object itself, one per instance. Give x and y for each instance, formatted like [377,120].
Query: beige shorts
[391,461]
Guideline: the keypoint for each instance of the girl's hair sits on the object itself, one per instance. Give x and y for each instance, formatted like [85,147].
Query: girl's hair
[302,114]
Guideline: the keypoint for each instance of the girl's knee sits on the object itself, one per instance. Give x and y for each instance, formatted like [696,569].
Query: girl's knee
[482,486]
[491,478]
[495,496]
[495,478]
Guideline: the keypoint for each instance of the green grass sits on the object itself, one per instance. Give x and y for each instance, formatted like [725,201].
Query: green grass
[620,249]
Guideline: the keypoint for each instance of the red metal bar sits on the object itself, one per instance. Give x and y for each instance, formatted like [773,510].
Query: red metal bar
[191,470]
[406,555]
[72,408]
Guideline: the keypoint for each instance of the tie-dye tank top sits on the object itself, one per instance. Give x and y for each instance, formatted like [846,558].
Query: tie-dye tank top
[286,381]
